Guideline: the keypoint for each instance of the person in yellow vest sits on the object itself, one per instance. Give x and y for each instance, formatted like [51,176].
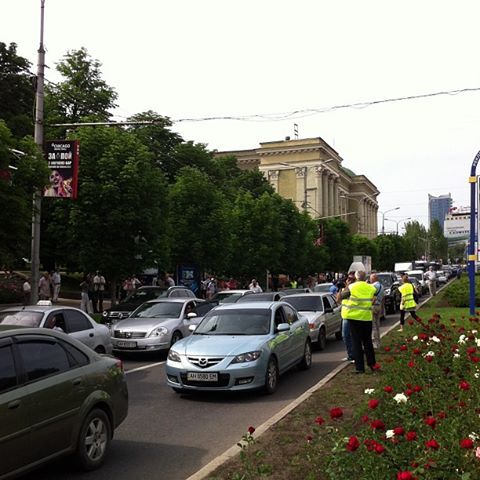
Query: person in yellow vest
[357,303]
[293,283]
[407,303]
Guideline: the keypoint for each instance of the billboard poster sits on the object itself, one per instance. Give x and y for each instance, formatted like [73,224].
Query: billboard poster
[62,159]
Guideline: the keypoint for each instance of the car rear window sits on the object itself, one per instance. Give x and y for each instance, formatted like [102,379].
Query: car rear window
[235,322]
[22,317]
[308,303]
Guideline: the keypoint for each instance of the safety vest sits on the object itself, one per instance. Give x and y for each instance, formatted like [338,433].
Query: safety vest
[293,284]
[408,302]
[358,306]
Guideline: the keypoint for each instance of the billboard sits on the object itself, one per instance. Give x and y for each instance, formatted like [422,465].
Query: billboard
[456,227]
[62,159]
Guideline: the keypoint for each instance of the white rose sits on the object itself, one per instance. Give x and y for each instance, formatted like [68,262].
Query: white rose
[369,391]
[400,398]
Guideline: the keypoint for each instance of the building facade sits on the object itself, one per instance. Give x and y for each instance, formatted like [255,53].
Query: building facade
[438,208]
[310,173]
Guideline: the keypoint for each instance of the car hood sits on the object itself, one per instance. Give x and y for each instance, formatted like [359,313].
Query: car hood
[135,324]
[220,345]
[310,316]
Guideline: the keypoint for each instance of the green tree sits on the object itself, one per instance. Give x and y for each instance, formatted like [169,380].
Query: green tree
[437,242]
[416,240]
[364,246]
[16,190]
[338,241]
[119,223]
[17,91]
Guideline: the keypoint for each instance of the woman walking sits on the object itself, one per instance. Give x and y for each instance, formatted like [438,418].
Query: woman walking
[407,303]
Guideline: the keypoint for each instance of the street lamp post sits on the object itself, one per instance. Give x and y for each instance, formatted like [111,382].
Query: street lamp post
[399,221]
[383,217]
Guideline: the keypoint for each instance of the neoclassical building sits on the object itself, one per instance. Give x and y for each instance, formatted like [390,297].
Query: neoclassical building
[310,172]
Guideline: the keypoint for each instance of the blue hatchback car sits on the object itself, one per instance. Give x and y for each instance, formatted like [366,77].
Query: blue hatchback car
[240,346]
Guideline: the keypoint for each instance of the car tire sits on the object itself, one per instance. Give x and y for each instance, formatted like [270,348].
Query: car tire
[176,337]
[93,440]
[322,339]
[271,377]
[306,361]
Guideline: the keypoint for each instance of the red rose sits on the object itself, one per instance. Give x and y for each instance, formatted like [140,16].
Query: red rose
[365,419]
[408,392]
[417,388]
[373,403]
[411,436]
[387,349]
[411,364]
[404,476]
[429,358]
[433,444]
[352,444]
[377,425]
[336,412]
[403,348]
[388,389]
[423,337]
[379,448]
[398,431]
[410,321]
[471,350]
[251,430]
[319,420]
[475,359]
[417,351]
[466,443]
[377,366]
[308,438]
[464,385]
[430,421]
[441,414]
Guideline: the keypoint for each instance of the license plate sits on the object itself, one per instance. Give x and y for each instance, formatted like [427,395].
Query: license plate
[126,344]
[202,377]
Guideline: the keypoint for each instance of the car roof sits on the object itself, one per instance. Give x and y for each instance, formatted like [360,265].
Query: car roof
[307,294]
[175,300]
[234,291]
[246,305]
[38,308]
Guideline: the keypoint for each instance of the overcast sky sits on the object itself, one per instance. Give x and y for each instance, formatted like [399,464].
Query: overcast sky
[195,59]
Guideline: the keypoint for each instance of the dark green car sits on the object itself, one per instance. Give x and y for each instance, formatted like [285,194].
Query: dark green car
[57,397]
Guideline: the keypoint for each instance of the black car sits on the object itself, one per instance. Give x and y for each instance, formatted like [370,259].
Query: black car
[142,295]
[392,295]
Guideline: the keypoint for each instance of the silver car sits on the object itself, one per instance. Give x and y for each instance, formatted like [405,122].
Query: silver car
[158,324]
[72,321]
[323,315]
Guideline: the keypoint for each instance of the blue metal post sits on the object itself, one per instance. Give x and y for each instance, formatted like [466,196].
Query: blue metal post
[472,254]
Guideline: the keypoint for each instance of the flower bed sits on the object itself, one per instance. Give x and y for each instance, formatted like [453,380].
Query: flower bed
[422,418]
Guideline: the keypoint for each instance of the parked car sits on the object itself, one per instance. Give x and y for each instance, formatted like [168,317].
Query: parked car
[392,295]
[293,291]
[323,315]
[157,324]
[417,286]
[229,296]
[262,297]
[441,277]
[70,320]
[419,275]
[142,295]
[323,287]
[239,347]
[57,397]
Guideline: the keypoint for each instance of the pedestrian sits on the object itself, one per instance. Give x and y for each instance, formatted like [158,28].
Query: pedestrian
[357,309]
[27,291]
[377,309]
[255,287]
[85,302]
[91,293]
[333,289]
[44,287]
[137,283]
[431,277]
[211,288]
[56,283]
[169,281]
[231,284]
[407,303]
[99,287]
[293,283]
[346,336]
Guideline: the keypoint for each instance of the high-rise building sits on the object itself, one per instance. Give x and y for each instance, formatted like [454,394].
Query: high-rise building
[438,208]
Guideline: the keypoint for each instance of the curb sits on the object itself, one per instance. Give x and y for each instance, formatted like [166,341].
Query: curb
[234,450]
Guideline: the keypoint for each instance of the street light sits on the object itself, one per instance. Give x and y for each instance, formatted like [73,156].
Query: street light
[399,221]
[383,217]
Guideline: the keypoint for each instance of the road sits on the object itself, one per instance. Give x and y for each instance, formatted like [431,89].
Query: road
[171,436]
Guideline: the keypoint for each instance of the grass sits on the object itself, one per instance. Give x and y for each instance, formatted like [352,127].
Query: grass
[280,453]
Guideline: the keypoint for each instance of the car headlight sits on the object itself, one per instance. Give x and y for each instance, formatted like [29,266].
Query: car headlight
[158,332]
[173,356]
[247,357]
[105,313]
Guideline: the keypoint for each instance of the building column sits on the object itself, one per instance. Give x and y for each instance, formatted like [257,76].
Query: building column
[319,185]
[331,201]
[273,176]
[361,217]
[300,174]
[335,197]
[325,194]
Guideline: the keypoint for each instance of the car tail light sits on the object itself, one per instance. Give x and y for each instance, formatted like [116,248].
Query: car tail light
[312,326]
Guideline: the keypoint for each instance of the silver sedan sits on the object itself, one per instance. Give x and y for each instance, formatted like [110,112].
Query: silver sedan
[72,321]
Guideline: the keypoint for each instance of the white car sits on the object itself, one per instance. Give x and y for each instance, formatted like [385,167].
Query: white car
[323,315]
[72,321]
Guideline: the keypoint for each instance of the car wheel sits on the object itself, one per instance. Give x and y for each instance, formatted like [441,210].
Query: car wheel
[271,376]
[176,337]
[94,440]
[322,339]
[306,362]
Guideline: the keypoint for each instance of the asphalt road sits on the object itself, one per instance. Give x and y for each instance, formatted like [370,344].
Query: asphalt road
[171,436]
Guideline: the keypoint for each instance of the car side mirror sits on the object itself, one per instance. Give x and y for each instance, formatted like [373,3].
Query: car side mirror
[192,328]
[283,327]
[191,315]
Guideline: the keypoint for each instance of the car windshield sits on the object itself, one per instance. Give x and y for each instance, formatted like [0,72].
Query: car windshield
[235,322]
[323,287]
[385,280]
[418,276]
[141,296]
[158,309]
[22,317]
[256,297]
[307,303]
[226,297]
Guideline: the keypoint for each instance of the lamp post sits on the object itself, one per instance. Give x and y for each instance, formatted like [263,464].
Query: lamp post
[399,221]
[383,217]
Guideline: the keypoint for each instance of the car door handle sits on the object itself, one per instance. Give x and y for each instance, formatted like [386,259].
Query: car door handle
[14,404]
[77,381]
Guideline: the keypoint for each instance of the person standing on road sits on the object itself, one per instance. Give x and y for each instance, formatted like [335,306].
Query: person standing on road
[431,277]
[27,291]
[56,283]
[346,337]
[44,287]
[407,303]
[357,309]
[255,287]
[99,287]
[377,309]
[85,302]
